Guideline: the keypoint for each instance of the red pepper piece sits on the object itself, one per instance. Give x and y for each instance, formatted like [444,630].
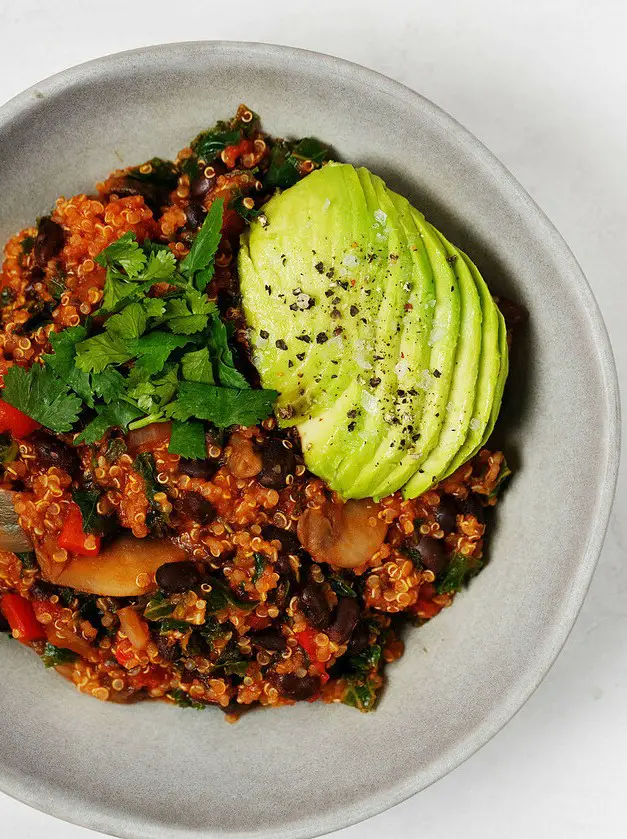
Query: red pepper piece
[19,613]
[18,423]
[74,539]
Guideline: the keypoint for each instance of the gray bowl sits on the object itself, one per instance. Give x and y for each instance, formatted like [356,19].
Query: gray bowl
[151,770]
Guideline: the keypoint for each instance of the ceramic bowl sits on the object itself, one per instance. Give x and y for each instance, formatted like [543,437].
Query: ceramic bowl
[152,770]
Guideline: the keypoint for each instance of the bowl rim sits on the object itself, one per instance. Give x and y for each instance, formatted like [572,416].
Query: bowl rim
[56,802]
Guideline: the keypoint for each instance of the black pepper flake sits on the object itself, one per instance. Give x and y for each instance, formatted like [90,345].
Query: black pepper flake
[334,376]
[294,307]
[290,363]
[451,259]
[335,300]
[263,334]
[393,257]
[343,284]
[352,426]
[337,331]
[322,338]
[363,320]
[437,415]
[280,344]
[268,288]
[354,310]
[372,257]
[300,356]
[352,413]
[375,381]
[437,374]
[304,338]
[400,392]
[452,288]
[335,314]
[329,292]
[319,267]
[334,361]
[331,273]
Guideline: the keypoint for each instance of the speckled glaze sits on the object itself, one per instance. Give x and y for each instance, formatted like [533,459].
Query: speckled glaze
[152,771]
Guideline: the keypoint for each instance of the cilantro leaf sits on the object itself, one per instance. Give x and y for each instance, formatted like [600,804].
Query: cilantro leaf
[161,267]
[196,367]
[96,353]
[188,439]
[54,656]
[218,341]
[63,361]
[109,384]
[87,500]
[221,406]
[130,323]
[190,314]
[42,395]
[153,349]
[152,394]
[206,243]
[124,252]
[117,414]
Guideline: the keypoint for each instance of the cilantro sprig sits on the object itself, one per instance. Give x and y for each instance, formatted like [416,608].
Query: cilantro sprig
[153,359]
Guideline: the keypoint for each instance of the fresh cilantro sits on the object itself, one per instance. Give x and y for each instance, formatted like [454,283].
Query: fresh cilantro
[152,350]
[124,253]
[189,314]
[96,353]
[218,343]
[188,439]
[54,656]
[130,323]
[203,251]
[109,384]
[115,415]
[285,159]
[63,361]
[221,406]
[209,144]
[40,393]
[196,367]
[87,500]
[161,267]
[151,395]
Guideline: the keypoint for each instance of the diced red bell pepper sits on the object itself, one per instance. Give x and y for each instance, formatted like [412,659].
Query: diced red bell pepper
[151,679]
[74,539]
[125,654]
[306,641]
[46,611]
[18,423]
[19,613]
[232,153]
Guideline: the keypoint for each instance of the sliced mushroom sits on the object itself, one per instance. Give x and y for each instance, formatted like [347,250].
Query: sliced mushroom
[125,568]
[344,535]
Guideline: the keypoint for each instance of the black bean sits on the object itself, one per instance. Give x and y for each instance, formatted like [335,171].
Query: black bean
[4,624]
[155,196]
[204,469]
[168,651]
[41,590]
[268,639]
[195,215]
[195,507]
[52,452]
[471,506]
[446,514]
[514,313]
[48,242]
[290,543]
[177,576]
[432,555]
[345,620]
[360,639]
[290,686]
[314,606]
[200,186]
[277,463]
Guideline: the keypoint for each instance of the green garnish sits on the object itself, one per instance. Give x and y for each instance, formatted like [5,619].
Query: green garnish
[153,359]
[87,500]
[459,573]
[183,700]
[53,656]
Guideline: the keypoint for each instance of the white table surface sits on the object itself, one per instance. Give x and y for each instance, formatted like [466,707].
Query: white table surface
[543,84]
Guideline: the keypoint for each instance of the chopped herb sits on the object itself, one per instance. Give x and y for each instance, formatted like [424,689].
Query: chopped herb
[28,560]
[183,700]
[9,449]
[260,564]
[87,500]
[54,656]
[504,473]
[40,393]
[171,625]
[203,251]
[341,587]
[158,607]
[209,144]
[460,571]
[115,449]
[221,406]
[188,439]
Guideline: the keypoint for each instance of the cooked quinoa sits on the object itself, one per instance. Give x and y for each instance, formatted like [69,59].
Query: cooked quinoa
[227,607]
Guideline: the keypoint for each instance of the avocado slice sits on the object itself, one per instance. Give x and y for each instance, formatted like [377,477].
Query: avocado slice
[380,336]
[461,399]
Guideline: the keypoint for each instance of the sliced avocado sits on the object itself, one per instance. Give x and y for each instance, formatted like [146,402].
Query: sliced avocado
[461,398]
[491,367]
[379,334]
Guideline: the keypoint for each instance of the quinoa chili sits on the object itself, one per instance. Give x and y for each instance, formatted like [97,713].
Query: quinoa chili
[138,571]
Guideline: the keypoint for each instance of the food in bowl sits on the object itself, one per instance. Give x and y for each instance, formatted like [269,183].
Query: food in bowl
[245,407]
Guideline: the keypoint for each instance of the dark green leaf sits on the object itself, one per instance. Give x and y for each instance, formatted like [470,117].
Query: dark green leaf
[87,500]
[206,243]
[283,170]
[365,661]
[310,149]
[196,367]
[247,213]
[9,449]
[219,347]
[171,625]
[125,253]
[504,474]
[341,587]
[154,349]
[221,406]
[40,394]
[115,449]
[260,564]
[63,361]
[115,415]
[209,144]
[109,384]
[236,668]
[94,354]
[158,607]
[183,700]
[54,656]
[361,695]
[460,571]
[28,560]
[163,173]
[188,439]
